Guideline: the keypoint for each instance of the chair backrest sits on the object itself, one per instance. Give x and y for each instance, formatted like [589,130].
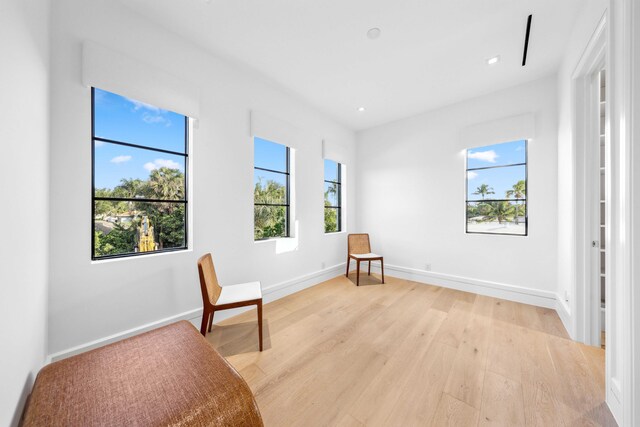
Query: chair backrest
[358,243]
[208,280]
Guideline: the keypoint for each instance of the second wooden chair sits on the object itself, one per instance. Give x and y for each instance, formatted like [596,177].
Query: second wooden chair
[359,249]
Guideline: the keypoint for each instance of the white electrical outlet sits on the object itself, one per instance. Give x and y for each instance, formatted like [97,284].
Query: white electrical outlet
[322,265]
[566,296]
[427,267]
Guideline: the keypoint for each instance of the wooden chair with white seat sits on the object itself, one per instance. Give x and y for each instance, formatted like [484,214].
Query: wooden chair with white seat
[359,249]
[217,298]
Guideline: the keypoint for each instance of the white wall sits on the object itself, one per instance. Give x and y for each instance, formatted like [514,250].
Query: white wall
[89,301]
[634,355]
[411,192]
[582,31]
[24,108]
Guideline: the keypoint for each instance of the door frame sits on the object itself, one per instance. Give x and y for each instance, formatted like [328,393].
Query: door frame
[587,183]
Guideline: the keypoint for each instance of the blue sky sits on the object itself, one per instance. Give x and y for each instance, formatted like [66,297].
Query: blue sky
[122,119]
[269,155]
[500,179]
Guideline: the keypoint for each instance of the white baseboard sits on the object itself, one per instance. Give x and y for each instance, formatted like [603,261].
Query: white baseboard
[564,312]
[270,293]
[520,294]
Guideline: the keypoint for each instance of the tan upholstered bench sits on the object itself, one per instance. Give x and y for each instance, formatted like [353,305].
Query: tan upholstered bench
[168,376]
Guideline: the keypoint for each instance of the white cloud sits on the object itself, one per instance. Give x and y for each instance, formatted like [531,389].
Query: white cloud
[486,156]
[137,105]
[120,159]
[162,163]
[150,113]
[153,118]
[98,143]
[472,175]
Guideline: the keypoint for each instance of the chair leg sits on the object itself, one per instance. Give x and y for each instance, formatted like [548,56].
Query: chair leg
[369,273]
[358,274]
[203,325]
[382,267]
[260,322]
[211,320]
[348,262]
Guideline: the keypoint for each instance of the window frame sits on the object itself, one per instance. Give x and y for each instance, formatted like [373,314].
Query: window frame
[287,204]
[338,198]
[184,201]
[526,183]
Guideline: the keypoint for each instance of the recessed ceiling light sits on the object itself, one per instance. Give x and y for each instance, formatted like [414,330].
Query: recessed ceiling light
[361,109]
[374,33]
[493,60]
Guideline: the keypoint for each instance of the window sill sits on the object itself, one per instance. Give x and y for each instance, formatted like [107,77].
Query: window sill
[274,239]
[333,233]
[140,257]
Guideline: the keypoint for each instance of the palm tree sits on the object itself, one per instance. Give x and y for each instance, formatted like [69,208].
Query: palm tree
[130,188]
[484,190]
[166,183]
[502,211]
[269,215]
[518,191]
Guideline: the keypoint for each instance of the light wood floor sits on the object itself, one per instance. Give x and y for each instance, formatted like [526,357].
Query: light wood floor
[409,354]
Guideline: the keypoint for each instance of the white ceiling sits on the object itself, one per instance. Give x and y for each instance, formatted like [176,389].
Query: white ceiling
[431,52]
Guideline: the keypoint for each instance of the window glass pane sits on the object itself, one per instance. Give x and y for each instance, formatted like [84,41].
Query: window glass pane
[269,221]
[127,120]
[496,155]
[331,194]
[121,171]
[497,217]
[499,183]
[128,227]
[269,187]
[331,219]
[331,171]
[269,155]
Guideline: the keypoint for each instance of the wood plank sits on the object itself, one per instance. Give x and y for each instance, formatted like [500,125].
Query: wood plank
[502,402]
[551,323]
[467,374]
[539,381]
[505,351]
[453,412]
[458,316]
[419,396]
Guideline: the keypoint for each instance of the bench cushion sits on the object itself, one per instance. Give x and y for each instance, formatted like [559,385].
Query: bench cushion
[168,376]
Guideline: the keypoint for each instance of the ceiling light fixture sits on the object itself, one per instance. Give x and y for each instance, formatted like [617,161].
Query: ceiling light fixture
[373,33]
[493,60]
[361,109]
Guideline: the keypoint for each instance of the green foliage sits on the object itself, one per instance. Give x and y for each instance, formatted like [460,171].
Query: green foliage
[330,215]
[115,236]
[504,211]
[269,221]
[120,240]
[330,220]
[484,190]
